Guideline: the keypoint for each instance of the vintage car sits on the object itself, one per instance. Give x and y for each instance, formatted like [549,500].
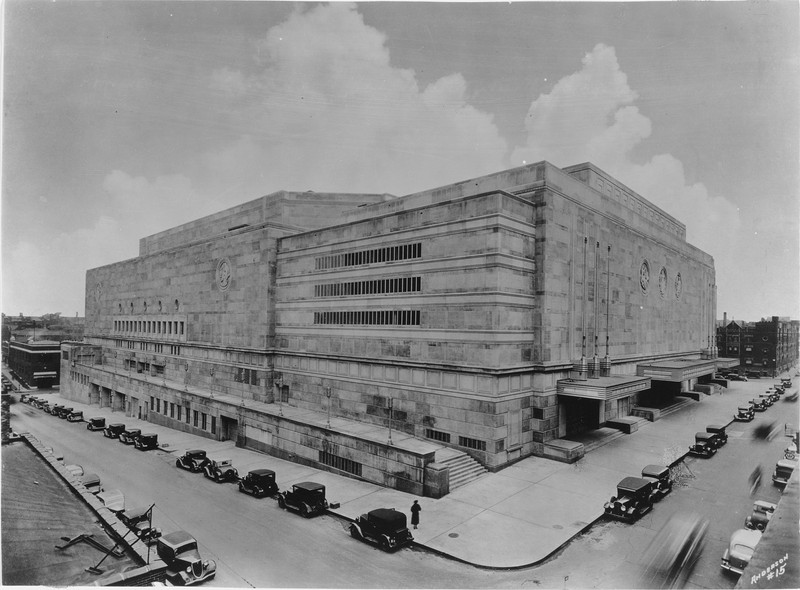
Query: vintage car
[220,470]
[385,527]
[113,430]
[703,445]
[307,498]
[139,520]
[75,416]
[75,470]
[790,452]
[259,483]
[114,500]
[193,460]
[64,412]
[147,441]
[783,472]
[91,481]
[129,435]
[762,512]
[740,550]
[44,406]
[720,437]
[744,414]
[766,399]
[185,567]
[53,410]
[736,377]
[775,394]
[96,424]
[633,500]
[662,482]
[786,383]
[758,405]
[670,556]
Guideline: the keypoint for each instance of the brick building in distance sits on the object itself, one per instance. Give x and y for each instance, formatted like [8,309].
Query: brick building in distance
[766,348]
[498,318]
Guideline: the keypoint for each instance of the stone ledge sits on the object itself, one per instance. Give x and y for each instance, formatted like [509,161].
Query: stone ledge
[565,451]
[626,425]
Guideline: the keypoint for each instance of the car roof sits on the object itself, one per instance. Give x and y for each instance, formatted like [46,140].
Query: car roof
[195,451]
[764,504]
[177,538]
[90,478]
[703,435]
[309,486]
[116,424]
[633,483]
[786,463]
[388,515]
[717,426]
[748,537]
[133,430]
[262,472]
[654,470]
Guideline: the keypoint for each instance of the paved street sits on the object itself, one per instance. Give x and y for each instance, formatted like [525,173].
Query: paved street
[255,543]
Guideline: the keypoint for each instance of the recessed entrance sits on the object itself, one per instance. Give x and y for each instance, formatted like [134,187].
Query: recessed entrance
[229,428]
[580,414]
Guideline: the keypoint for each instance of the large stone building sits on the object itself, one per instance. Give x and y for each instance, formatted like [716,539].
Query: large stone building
[765,348]
[500,317]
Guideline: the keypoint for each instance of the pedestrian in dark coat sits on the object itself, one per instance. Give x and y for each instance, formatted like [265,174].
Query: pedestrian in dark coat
[415,510]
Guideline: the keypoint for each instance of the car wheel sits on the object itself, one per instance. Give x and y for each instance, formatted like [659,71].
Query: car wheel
[384,544]
[217,477]
[178,463]
[281,502]
[354,532]
[761,526]
[241,487]
[305,510]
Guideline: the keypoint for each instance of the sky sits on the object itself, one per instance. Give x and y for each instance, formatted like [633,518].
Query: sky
[123,119]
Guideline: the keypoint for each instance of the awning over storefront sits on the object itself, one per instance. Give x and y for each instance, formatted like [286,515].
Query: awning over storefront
[726,363]
[603,388]
[677,370]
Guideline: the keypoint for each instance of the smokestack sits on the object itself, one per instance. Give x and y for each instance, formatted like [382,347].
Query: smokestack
[724,318]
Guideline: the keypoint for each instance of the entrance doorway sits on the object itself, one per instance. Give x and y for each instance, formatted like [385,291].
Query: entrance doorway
[580,414]
[229,428]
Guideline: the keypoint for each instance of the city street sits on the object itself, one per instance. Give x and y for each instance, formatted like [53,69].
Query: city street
[257,544]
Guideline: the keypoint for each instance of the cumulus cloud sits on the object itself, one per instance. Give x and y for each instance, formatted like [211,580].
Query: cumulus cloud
[327,111]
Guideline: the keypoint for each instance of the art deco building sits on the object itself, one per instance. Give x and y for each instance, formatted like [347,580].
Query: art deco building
[491,319]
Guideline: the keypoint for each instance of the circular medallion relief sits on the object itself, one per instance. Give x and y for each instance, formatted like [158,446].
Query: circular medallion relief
[644,276]
[662,282]
[224,274]
[678,286]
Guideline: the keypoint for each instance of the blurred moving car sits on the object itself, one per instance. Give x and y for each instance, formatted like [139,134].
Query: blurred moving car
[740,549]
[671,555]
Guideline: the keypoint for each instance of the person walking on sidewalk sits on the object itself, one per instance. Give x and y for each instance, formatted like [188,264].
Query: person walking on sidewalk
[415,510]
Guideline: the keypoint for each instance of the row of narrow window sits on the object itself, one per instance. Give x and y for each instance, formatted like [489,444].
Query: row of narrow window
[372,256]
[340,463]
[398,285]
[174,349]
[176,412]
[167,328]
[369,318]
[463,441]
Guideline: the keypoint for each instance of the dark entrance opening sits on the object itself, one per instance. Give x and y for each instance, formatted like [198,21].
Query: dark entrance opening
[229,428]
[581,414]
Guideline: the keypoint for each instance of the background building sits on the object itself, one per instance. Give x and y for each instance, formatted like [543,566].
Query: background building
[767,347]
[495,318]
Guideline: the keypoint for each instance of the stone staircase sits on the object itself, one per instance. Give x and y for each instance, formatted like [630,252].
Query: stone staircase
[463,468]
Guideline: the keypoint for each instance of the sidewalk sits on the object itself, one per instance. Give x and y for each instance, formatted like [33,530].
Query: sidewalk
[513,518]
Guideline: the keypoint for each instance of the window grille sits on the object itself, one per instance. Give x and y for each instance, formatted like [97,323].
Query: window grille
[340,463]
[437,435]
[472,443]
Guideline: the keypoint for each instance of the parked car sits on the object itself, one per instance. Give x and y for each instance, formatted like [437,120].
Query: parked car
[703,445]
[194,460]
[762,512]
[220,470]
[783,472]
[662,482]
[64,412]
[744,414]
[735,377]
[787,383]
[774,394]
[259,483]
[790,452]
[147,441]
[740,549]
[766,399]
[45,407]
[96,424]
[114,500]
[139,520]
[129,435]
[75,470]
[670,557]
[719,436]
[185,567]
[75,416]
[91,481]
[385,527]
[758,405]
[633,500]
[113,430]
[53,410]
[307,498]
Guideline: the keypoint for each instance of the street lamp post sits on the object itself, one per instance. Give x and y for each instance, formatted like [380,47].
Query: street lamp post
[328,395]
[211,385]
[391,407]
